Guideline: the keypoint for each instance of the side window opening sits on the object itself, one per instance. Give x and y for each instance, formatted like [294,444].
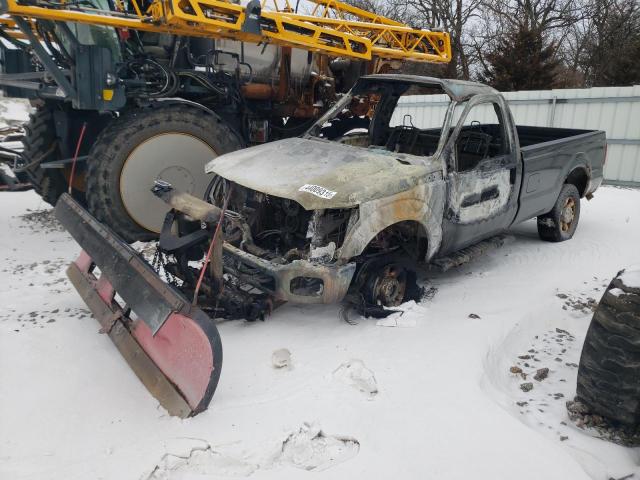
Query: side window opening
[481,137]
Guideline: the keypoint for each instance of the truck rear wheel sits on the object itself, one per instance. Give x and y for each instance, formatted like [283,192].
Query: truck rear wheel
[561,222]
[172,143]
[609,372]
[40,146]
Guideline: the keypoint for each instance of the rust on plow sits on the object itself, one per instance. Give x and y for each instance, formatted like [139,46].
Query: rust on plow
[173,348]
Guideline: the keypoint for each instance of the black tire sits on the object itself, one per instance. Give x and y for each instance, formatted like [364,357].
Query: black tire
[553,226]
[40,145]
[116,142]
[609,372]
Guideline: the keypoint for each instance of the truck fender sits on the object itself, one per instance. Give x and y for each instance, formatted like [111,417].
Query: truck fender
[579,173]
[422,204]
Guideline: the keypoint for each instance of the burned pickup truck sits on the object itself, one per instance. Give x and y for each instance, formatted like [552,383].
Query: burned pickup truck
[376,187]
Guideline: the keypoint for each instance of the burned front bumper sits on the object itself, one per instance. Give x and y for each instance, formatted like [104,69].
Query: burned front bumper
[299,281]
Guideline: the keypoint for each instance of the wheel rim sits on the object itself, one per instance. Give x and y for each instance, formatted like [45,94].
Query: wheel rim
[568,214]
[390,286]
[177,158]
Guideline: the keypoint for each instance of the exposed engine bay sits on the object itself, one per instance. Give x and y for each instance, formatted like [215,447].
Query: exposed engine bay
[278,228]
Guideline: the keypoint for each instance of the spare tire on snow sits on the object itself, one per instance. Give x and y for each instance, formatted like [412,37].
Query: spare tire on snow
[172,143]
[609,372]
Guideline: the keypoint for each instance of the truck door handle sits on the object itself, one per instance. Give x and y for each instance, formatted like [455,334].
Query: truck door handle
[484,196]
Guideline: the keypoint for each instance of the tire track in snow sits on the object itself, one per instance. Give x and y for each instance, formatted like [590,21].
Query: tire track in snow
[307,448]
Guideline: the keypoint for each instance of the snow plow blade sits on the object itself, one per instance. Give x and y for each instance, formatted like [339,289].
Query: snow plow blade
[173,347]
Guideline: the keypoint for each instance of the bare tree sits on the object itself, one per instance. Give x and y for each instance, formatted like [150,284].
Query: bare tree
[551,28]
[611,45]
[453,16]
[540,15]
[393,9]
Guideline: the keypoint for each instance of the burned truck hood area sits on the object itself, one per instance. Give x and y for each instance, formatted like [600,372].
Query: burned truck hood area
[319,174]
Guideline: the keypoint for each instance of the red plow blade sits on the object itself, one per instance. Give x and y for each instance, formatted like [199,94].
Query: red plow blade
[173,347]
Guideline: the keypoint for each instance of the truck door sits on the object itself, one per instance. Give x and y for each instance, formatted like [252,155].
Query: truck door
[484,172]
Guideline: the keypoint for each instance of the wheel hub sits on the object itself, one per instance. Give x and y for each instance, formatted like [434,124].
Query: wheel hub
[390,286]
[389,289]
[568,214]
[178,175]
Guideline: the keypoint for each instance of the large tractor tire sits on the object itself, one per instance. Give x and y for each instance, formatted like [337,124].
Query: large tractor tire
[40,146]
[172,143]
[609,372]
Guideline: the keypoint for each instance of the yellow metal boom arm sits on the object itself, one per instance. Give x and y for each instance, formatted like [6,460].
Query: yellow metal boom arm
[333,28]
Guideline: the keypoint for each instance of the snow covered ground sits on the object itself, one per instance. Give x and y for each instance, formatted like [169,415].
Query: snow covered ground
[433,397]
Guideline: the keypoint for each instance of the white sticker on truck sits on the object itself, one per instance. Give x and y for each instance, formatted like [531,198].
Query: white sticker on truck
[317,190]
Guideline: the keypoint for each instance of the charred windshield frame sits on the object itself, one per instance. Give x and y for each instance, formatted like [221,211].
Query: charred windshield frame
[391,92]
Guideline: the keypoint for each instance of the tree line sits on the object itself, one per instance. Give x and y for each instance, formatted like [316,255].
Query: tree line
[529,44]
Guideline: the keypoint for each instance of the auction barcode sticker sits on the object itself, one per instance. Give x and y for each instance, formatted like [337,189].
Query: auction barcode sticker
[317,190]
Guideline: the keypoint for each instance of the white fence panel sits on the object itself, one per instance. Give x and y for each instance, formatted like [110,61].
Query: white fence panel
[427,111]
[616,110]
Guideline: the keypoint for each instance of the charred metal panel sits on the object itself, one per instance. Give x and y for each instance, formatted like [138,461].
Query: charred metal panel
[320,174]
[475,196]
[335,278]
[423,203]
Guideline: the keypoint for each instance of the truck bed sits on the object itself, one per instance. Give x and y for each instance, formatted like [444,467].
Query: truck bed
[548,156]
[531,136]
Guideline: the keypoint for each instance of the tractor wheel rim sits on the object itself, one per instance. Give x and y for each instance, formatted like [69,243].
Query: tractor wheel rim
[568,214]
[177,158]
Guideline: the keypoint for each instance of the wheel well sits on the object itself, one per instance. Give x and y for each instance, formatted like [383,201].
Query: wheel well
[410,235]
[579,178]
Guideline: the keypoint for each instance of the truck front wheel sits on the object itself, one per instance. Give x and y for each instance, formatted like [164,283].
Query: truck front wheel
[383,283]
[172,143]
[561,222]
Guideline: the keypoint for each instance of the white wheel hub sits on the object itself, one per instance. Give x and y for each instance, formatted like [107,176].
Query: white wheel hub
[177,158]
